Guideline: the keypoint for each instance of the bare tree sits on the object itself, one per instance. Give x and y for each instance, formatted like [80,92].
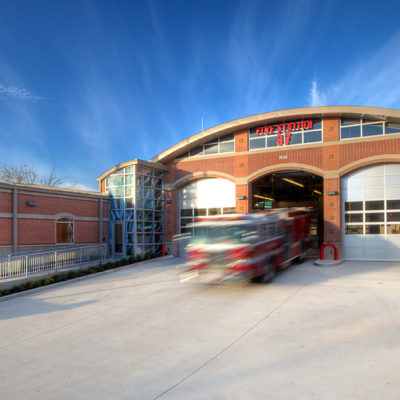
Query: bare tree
[51,179]
[23,173]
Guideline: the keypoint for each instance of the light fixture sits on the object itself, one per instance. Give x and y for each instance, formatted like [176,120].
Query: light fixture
[332,193]
[293,182]
[318,192]
[263,197]
[241,197]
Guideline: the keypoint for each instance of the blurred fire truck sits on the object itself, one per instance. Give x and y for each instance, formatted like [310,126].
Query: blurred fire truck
[246,246]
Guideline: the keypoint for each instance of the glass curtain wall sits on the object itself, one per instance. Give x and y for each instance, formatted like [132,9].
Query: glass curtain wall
[137,202]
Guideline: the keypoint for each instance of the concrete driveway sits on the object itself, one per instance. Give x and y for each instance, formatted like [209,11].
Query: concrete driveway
[314,333]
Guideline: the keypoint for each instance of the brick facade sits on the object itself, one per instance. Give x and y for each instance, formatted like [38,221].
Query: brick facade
[31,223]
[331,160]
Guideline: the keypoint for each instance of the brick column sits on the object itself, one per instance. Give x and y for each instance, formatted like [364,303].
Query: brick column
[171,218]
[242,171]
[243,205]
[331,165]
[15,220]
[332,210]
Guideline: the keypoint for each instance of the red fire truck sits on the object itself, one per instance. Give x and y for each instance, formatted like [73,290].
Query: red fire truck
[246,246]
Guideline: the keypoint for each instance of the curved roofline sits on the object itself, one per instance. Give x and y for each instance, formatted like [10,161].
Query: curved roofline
[253,120]
[136,161]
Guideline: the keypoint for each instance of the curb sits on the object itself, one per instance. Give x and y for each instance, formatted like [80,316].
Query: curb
[328,263]
[80,278]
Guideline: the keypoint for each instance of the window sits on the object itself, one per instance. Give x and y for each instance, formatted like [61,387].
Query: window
[286,133]
[221,144]
[65,230]
[354,128]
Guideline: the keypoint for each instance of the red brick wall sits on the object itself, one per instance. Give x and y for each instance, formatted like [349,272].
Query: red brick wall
[241,141]
[50,205]
[5,231]
[86,232]
[332,211]
[6,202]
[331,129]
[242,206]
[351,152]
[182,168]
[36,231]
[312,156]
[170,215]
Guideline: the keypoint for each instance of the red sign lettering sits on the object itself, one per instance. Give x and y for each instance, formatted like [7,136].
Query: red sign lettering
[284,127]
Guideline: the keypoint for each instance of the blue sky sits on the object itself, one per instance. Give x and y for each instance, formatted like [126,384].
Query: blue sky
[86,84]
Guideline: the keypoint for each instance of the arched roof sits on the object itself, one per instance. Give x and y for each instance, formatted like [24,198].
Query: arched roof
[275,116]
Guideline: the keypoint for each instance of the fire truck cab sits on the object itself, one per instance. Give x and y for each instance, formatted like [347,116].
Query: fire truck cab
[246,246]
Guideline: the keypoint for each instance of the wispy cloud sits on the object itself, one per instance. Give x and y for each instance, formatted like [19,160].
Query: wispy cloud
[372,81]
[317,98]
[18,93]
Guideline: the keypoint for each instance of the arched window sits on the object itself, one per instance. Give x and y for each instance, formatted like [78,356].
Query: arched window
[65,230]
[205,197]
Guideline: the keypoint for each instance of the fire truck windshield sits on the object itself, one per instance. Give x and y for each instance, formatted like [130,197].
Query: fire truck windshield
[213,234]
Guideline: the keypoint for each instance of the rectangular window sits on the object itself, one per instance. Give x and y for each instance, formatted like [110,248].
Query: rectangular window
[227,138]
[353,206]
[295,138]
[374,205]
[272,141]
[350,132]
[349,121]
[392,128]
[374,229]
[353,230]
[227,147]
[214,211]
[310,137]
[198,151]
[374,217]
[258,143]
[200,212]
[393,216]
[354,217]
[393,204]
[211,148]
[373,129]
[393,229]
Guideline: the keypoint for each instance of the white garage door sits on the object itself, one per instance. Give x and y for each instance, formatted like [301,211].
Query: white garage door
[371,213]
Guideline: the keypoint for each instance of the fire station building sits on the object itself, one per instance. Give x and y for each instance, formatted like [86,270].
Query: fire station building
[341,162]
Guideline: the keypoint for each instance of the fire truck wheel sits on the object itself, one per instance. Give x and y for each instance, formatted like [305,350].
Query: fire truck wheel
[268,275]
[301,258]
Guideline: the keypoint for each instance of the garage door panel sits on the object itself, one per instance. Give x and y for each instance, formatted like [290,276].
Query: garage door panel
[371,187]
[353,252]
[392,254]
[393,193]
[375,254]
[354,241]
[392,241]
